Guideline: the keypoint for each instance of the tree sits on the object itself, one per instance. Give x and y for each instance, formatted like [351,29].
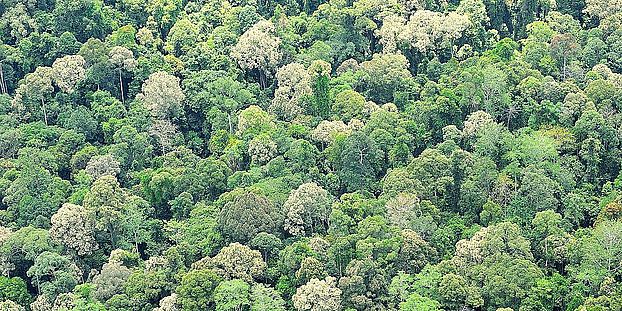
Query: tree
[600,254]
[253,121]
[504,238]
[14,289]
[502,263]
[349,105]
[111,280]
[168,303]
[264,298]
[9,305]
[326,131]
[301,155]
[550,238]
[258,49]
[122,59]
[308,209]
[82,120]
[383,75]
[32,96]
[73,226]
[416,302]
[165,13]
[165,133]
[359,162]
[515,275]
[537,193]
[427,30]
[85,18]
[99,166]
[318,295]
[268,244]
[131,148]
[117,213]
[53,274]
[414,253]
[310,268]
[294,86]
[68,71]
[456,293]
[182,37]
[392,26]
[147,286]
[211,92]
[246,215]
[96,54]
[261,149]
[432,170]
[320,78]
[600,10]
[238,261]
[35,194]
[162,95]
[20,248]
[232,295]
[407,211]
[564,48]
[195,291]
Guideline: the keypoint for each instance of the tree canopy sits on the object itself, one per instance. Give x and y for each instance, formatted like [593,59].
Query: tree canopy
[317,155]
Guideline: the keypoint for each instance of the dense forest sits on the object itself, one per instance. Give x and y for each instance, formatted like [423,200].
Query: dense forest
[310,155]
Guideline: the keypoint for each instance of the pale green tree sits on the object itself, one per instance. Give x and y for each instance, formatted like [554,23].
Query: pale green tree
[73,226]
[32,97]
[258,49]
[9,305]
[123,60]
[111,279]
[308,209]
[68,71]
[237,261]
[294,84]
[318,295]
[99,166]
[162,95]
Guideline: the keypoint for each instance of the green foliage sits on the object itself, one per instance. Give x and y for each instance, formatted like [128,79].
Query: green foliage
[196,290]
[14,289]
[160,155]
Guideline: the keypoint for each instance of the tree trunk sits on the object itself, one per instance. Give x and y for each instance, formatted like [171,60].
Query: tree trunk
[263,79]
[112,236]
[564,68]
[3,87]
[45,114]
[546,250]
[136,241]
[121,87]
[230,123]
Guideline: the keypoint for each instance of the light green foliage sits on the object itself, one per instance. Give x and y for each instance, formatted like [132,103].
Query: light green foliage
[417,302]
[232,295]
[266,299]
[600,253]
[14,289]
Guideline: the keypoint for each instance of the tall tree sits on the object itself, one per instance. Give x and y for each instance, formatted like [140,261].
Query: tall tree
[258,49]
